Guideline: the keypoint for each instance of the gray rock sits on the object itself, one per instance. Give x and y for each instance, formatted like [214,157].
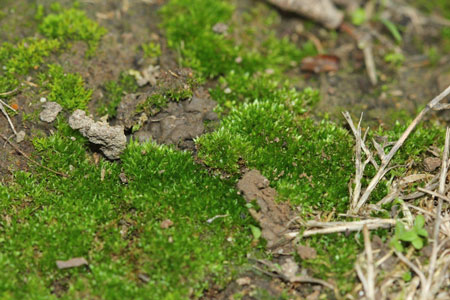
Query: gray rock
[20,136]
[50,112]
[111,139]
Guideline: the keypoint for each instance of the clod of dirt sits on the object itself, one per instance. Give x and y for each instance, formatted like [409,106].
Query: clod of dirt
[111,139]
[306,252]
[71,263]
[273,217]
[179,123]
[126,111]
[431,163]
[50,112]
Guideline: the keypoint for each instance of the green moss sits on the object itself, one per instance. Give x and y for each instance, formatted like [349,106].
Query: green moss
[168,89]
[309,164]
[188,26]
[336,255]
[189,29]
[19,59]
[238,88]
[114,91]
[151,50]
[72,24]
[116,227]
[65,88]
[438,6]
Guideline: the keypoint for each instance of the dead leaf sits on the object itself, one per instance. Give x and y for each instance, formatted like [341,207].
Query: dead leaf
[71,263]
[431,163]
[244,281]
[320,63]
[166,224]
[306,252]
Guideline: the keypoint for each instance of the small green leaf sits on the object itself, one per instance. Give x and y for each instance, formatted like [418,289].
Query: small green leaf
[408,236]
[358,16]
[256,232]
[422,232]
[392,29]
[397,245]
[399,229]
[419,222]
[417,243]
[407,276]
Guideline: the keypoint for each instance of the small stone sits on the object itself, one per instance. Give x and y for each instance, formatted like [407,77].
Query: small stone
[50,112]
[244,281]
[431,163]
[123,178]
[71,263]
[166,224]
[220,28]
[20,136]
[43,100]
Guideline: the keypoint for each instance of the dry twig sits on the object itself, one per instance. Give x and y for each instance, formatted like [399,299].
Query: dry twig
[426,288]
[333,227]
[385,162]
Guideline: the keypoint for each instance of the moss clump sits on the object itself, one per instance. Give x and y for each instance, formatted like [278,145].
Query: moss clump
[114,90]
[151,50]
[336,255]
[117,227]
[19,59]
[72,24]
[189,29]
[65,88]
[309,164]
[170,87]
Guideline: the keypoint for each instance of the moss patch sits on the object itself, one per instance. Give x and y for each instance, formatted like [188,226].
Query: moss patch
[65,88]
[116,227]
[71,24]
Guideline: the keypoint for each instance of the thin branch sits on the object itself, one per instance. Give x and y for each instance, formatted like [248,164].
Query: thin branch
[363,145]
[9,93]
[30,159]
[333,227]
[373,183]
[370,266]
[412,267]
[435,194]
[437,222]
[5,113]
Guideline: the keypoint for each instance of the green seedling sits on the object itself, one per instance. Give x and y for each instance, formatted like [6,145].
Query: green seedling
[395,59]
[392,29]
[417,235]
[358,16]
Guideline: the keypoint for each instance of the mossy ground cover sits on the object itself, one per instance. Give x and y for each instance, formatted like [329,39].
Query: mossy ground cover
[116,226]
